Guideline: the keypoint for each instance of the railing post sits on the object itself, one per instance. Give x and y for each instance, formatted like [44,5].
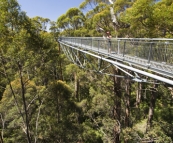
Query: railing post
[165,57]
[149,54]
[118,47]
[124,48]
[85,43]
[98,45]
[91,43]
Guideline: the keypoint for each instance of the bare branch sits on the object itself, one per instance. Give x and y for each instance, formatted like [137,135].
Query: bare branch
[35,97]
[38,115]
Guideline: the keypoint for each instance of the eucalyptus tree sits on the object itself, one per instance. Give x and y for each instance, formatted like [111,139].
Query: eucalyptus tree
[41,23]
[60,115]
[10,11]
[23,50]
[142,19]
[72,20]
[17,126]
[104,15]
[98,16]
[54,29]
[11,24]
[162,15]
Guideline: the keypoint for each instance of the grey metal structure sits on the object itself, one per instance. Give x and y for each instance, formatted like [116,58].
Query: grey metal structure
[140,55]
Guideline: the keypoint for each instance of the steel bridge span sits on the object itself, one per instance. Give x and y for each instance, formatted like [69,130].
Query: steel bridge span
[151,58]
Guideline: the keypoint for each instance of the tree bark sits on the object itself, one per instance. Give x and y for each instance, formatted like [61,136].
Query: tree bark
[152,105]
[58,108]
[1,139]
[36,124]
[138,99]
[60,65]
[3,125]
[117,106]
[138,94]
[127,103]
[76,87]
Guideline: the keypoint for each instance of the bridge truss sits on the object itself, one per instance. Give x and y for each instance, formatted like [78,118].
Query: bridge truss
[139,59]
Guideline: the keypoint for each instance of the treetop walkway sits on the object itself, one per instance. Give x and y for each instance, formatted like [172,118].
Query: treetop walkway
[149,57]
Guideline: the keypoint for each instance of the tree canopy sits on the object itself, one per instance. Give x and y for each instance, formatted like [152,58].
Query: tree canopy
[45,98]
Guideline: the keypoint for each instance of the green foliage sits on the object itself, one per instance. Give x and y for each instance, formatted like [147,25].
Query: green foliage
[68,104]
[12,110]
[90,135]
[73,20]
[144,18]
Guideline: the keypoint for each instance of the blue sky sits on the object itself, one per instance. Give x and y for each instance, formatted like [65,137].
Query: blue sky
[51,9]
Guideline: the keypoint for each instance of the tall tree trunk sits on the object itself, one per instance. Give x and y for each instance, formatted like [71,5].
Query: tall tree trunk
[76,78]
[60,65]
[58,108]
[1,139]
[24,103]
[152,105]
[117,106]
[2,130]
[114,19]
[138,99]
[76,87]
[127,103]
[138,94]
[36,124]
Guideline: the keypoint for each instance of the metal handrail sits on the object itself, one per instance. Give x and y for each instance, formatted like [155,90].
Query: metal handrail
[151,49]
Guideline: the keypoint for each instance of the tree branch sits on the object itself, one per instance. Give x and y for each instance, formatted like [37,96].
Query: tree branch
[38,115]
[24,103]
